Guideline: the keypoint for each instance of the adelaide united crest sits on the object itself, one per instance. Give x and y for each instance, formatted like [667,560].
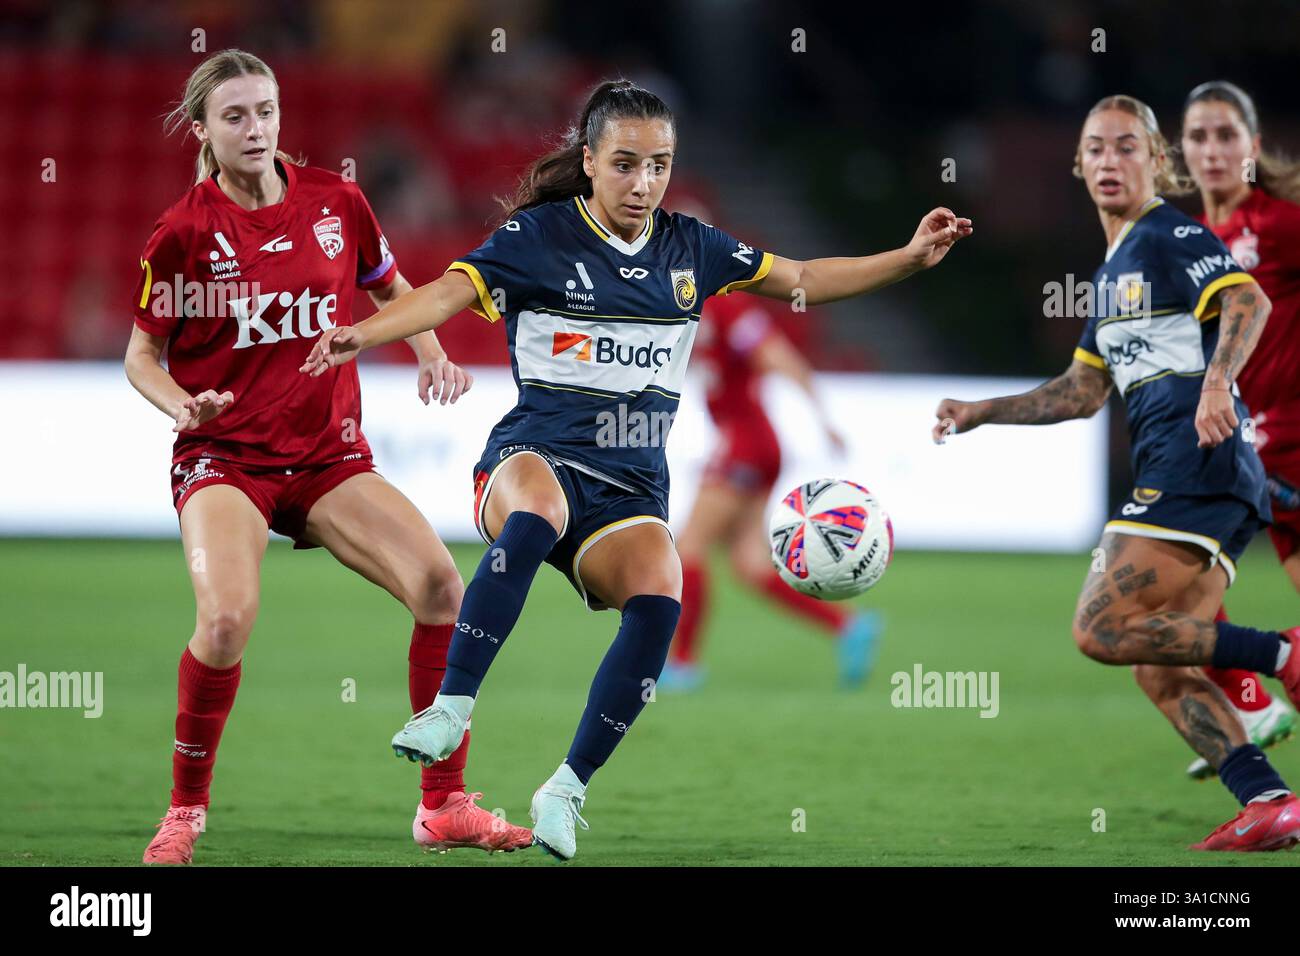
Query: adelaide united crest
[329,233]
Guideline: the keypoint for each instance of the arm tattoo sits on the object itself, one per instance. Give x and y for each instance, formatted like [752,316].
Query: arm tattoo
[1078,393]
[1241,322]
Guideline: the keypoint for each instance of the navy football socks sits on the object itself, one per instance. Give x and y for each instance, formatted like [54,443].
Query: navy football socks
[624,681]
[494,599]
[1248,774]
[1246,648]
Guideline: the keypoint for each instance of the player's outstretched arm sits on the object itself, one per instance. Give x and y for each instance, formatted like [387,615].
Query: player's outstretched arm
[438,375]
[420,310]
[1243,313]
[828,280]
[1079,392]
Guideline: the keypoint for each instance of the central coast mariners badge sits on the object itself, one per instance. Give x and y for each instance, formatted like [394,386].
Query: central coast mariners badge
[683,287]
[329,233]
[1128,293]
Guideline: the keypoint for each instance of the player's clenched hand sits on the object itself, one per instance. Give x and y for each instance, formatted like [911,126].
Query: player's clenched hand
[1215,418]
[954,417]
[335,347]
[201,409]
[441,377]
[936,234]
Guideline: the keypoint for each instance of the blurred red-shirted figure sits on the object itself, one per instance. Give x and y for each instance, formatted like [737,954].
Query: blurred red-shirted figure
[1258,219]
[738,343]
[238,278]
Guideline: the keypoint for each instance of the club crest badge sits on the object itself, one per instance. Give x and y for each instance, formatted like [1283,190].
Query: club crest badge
[329,233]
[1245,249]
[683,281]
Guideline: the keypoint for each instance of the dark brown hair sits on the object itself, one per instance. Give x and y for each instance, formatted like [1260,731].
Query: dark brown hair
[1278,175]
[559,174]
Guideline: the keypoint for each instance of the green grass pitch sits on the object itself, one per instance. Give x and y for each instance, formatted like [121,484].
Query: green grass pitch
[721,777]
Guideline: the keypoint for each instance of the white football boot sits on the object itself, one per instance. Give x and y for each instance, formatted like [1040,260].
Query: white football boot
[435,732]
[1265,727]
[556,806]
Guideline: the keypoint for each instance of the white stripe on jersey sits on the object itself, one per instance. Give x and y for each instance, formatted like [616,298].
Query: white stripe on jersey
[1142,347]
[623,357]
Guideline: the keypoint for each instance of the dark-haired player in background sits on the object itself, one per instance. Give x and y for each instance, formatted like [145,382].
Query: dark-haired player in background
[1174,319]
[737,344]
[600,291]
[280,249]
[1249,198]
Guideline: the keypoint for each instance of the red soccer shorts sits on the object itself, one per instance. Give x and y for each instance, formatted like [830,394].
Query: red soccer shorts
[748,456]
[284,496]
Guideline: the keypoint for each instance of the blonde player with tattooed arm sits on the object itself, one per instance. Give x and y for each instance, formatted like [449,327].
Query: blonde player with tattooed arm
[1174,321]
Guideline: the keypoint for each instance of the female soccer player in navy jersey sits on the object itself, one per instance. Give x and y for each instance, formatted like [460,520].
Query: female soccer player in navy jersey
[1250,199]
[1173,322]
[279,249]
[601,293]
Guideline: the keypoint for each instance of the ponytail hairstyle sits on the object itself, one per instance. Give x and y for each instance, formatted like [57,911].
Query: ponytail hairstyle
[207,76]
[1278,175]
[1169,182]
[559,174]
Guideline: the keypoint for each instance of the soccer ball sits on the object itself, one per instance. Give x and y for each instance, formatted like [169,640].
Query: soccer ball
[830,539]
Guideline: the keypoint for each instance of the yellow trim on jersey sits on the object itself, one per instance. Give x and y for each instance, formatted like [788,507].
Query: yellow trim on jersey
[593,315]
[1087,358]
[1151,378]
[568,388]
[1232,278]
[596,227]
[1151,203]
[148,282]
[1143,530]
[1134,316]
[486,307]
[604,233]
[764,267]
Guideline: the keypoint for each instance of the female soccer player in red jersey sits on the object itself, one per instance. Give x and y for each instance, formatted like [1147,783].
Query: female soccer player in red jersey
[1250,201]
[737,344]
[266,255]
[600,290]
[1173,321]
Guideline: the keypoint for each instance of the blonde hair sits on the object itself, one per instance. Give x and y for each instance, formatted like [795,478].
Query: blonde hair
[1277,175]
[207,76]
[1169,181]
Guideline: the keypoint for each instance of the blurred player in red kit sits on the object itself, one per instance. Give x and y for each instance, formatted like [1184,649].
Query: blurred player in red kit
[256,260]
[1250,202]
[738,343]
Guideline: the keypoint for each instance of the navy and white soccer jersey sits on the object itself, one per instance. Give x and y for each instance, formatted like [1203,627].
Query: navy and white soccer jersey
[1154,328]
[600,331]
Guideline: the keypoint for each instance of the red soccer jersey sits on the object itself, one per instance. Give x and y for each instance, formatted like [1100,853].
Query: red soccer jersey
[1263,235]
[731,329]
[255,289]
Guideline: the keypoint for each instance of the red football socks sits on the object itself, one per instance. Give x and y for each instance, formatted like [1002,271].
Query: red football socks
[428,662]
[695,599]
[204,699]
[1243,688]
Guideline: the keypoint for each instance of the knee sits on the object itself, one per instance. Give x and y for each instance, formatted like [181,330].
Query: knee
[221,631]
[749,567]
[433,595]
